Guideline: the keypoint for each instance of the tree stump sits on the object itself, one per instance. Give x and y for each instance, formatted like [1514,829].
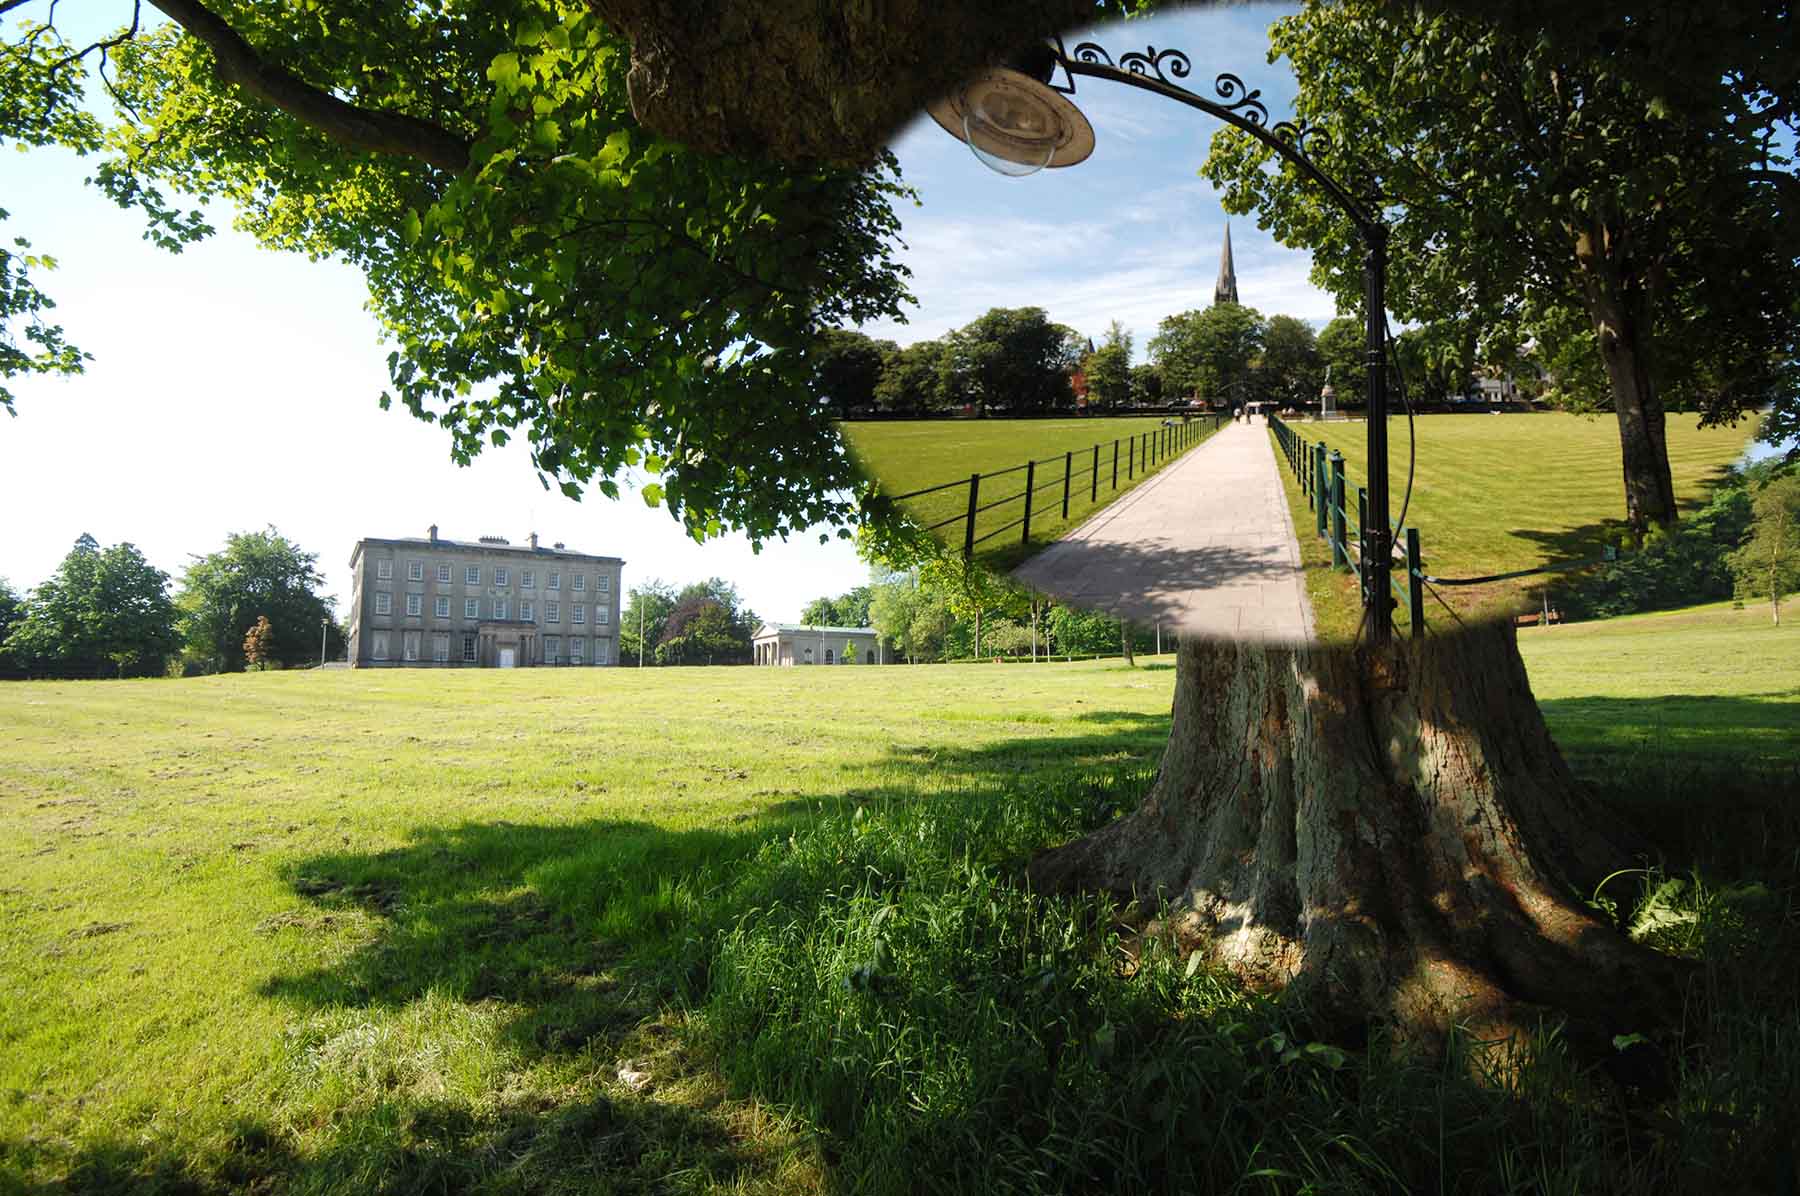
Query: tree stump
[1388,833]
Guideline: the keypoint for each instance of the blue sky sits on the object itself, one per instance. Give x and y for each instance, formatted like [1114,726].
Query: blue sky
[234,387]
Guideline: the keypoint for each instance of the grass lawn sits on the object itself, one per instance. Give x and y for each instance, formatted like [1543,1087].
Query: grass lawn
[1495,493]
[908,455]
[752,930]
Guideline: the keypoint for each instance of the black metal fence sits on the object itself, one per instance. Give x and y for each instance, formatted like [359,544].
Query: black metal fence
[1319,470]
[1063,478]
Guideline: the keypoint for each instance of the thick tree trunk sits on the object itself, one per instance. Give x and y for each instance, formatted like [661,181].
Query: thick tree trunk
[1125,643]
[1391,833]
[1617,309]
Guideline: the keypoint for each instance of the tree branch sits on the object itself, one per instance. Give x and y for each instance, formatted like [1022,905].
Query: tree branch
[345,123]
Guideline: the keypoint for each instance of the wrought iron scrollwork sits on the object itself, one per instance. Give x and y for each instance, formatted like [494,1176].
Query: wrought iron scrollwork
[1241,99]
[1308,139]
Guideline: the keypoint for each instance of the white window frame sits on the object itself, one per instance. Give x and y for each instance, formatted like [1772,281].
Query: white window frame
[440,607]
[602,652]
[553,612]
[500,608]
[603,615]
[578,615]
[555,580]
[471,575]
[384,603]
[527,611]
[604,582]
[443,573]
[384,570]
[471,608]
[378,646]
[415,605]
[415,570]
[553,649]
[577,648]
[580,583]
[468,649]
[409,645]
[527,579]
[501,574]
[440,648]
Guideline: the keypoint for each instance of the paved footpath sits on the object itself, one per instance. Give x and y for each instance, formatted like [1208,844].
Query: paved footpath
[1205,547]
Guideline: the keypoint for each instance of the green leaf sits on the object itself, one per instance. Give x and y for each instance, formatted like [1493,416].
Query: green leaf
[653,497]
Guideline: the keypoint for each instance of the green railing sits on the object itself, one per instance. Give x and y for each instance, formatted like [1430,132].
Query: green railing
[1319,470]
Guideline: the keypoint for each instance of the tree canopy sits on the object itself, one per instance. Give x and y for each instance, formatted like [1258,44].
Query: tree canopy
[256,574]
[1013,359]
[1528,179]
[1208,352]
[105,612]
[543,266]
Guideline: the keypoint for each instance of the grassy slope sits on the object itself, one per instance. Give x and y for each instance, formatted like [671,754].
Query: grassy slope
[1498,493]
[911,455]
[366,929]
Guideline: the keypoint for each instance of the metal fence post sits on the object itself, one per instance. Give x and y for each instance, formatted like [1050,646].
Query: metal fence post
[1068,466]
[969,528]
[1339,558]
[1362,543]
[1130,458]
[1094,478]
[1030,481]
[1415,585]
[1115,463]
[1321,488]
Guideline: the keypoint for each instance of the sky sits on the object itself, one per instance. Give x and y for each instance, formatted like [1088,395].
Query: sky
[233,387]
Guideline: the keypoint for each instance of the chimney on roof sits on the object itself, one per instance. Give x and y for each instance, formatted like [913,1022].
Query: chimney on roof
[533,538]
[494,540]
[559,545]
[432,531]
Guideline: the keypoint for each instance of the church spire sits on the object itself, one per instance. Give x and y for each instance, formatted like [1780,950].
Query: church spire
[1225,291]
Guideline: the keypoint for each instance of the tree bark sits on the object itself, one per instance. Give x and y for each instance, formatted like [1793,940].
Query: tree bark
[1125,643]
[1618,309]
[1390,834]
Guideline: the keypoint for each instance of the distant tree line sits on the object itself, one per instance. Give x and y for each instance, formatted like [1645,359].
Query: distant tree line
[702,623]
[107,612]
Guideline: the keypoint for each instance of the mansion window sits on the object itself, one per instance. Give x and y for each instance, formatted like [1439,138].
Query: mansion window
[579,615]
[471,608]
[380,650]
[472,575]
[411,640]
[440,648]
[553,610]
[552,649]
[602,652]
[500,575]
[604,582]
[415,604]
[443,575]
[468,649]
[441,607]
[602,614]
[528,611]
[577,649]
[555,580]
[527,578]
[415,570]
[580,582]
[384,604]
[499,608]
[384,570]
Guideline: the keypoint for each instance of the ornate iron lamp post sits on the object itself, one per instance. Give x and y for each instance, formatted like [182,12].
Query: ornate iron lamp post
[1017,122]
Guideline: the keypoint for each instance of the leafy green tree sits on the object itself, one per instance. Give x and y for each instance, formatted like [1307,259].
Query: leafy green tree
[821,612]
[255,574]
[1146,385]
[848,366]
[647,606]
[909,616]
[12,609]
[850,609]
[1204,353]
[1289,369]
[544,266]
[1767,564]
[259,644]
[1523,174]
[104,611]
[1342,352]
[912,380]
[1108,368]
[1013,359]
[702,630]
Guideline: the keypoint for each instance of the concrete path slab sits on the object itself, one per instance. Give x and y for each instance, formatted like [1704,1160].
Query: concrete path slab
[1206,547]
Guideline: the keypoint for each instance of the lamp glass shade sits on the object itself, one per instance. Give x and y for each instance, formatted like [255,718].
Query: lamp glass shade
[1015,124]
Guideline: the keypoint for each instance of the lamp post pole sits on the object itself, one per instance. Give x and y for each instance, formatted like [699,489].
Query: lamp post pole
[323,624]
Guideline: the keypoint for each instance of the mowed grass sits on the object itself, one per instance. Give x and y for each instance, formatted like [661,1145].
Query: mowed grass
[1496,493]
[761,930]
[299,923]
[909,455]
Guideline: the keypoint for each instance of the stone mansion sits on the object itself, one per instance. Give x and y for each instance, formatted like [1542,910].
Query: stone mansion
[436,603]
